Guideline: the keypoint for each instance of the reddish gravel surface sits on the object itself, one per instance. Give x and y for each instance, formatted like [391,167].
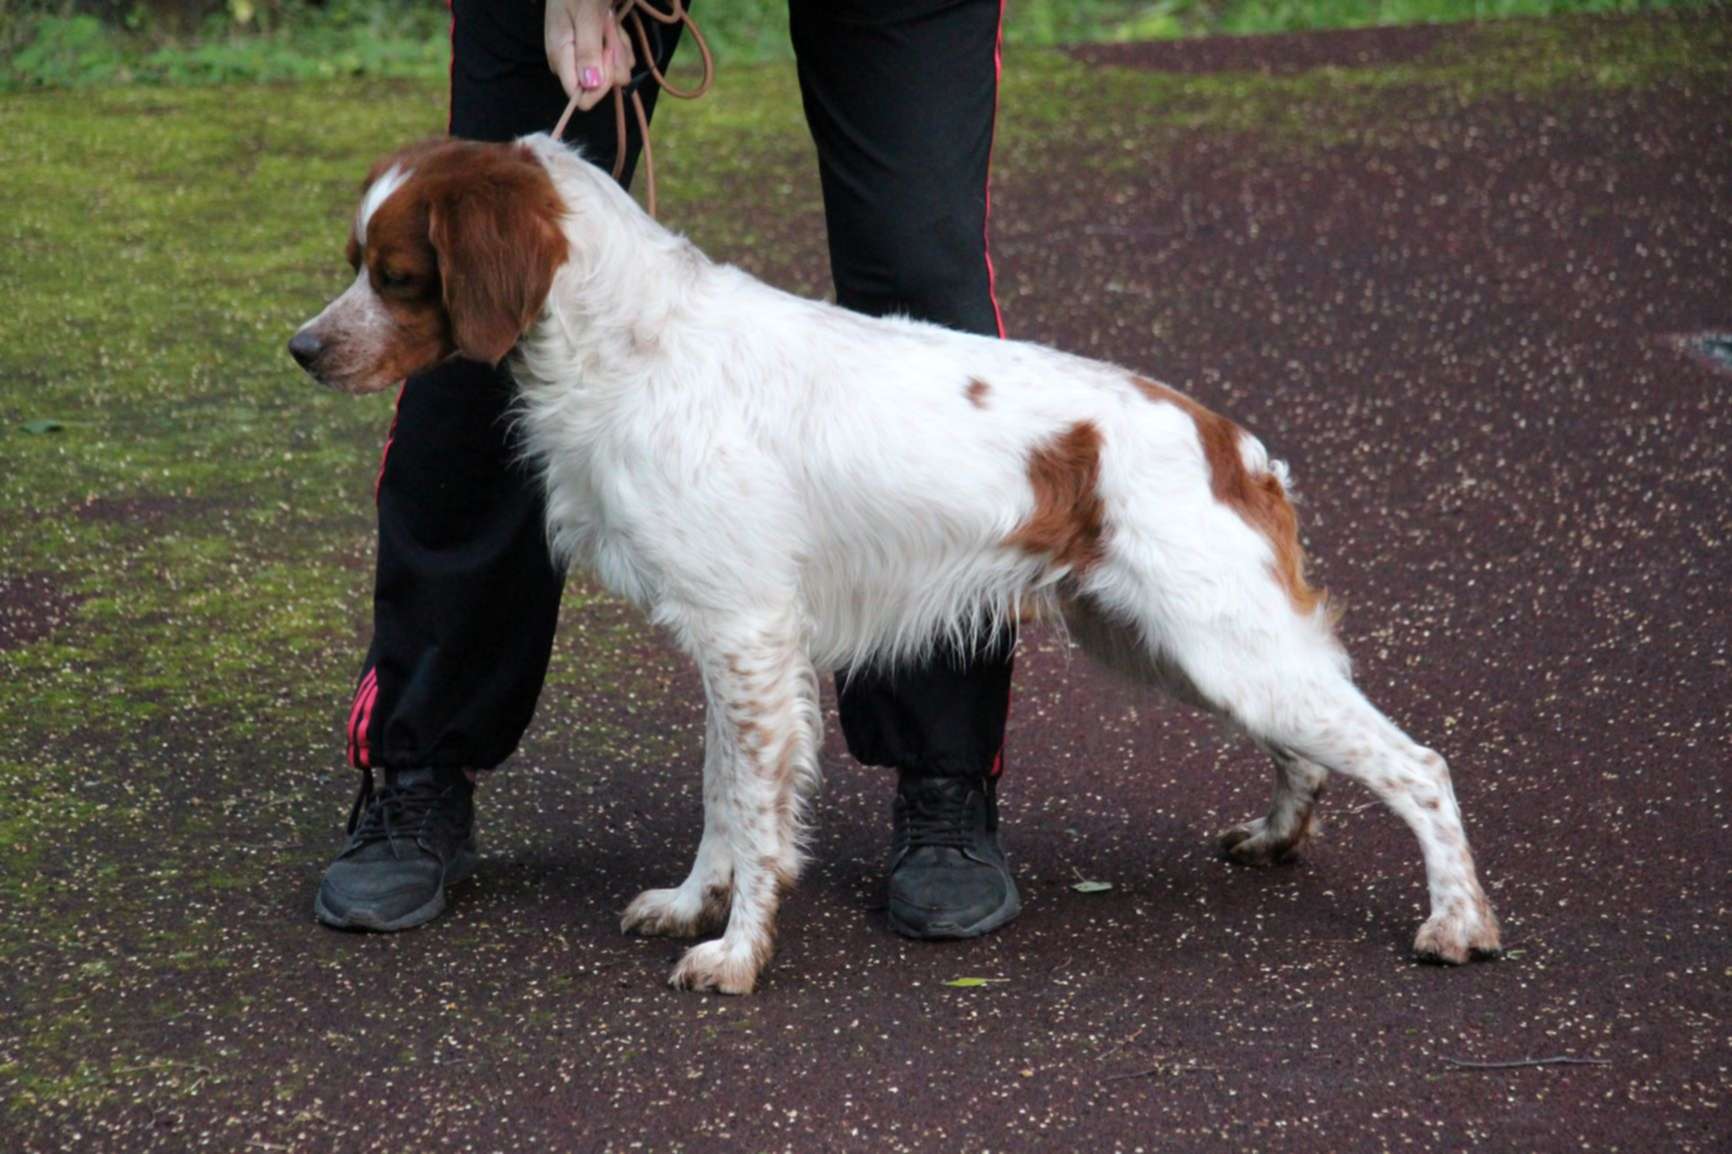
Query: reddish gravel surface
[1462,340]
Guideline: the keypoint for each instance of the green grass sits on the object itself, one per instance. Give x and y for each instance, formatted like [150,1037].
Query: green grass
[386,39]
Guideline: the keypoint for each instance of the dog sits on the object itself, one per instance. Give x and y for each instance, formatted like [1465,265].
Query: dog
[789,488]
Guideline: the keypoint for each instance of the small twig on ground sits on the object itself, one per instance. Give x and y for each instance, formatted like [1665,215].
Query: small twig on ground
[1519,1063]
[1135,1074]
[1158,1068]
[161,1063]
[1122,1043]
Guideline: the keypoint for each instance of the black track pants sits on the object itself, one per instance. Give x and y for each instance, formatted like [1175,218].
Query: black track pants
[901,97]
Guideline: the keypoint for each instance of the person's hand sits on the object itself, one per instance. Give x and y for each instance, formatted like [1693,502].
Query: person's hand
[587,49]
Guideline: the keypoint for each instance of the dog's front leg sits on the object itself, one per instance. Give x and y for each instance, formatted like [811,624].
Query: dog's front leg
[698,905]
[764,702]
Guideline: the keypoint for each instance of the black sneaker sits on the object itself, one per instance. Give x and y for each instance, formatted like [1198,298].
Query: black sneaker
[948,878]
[408,840]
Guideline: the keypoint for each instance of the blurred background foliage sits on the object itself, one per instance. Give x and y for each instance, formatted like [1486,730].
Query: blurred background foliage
[71,43]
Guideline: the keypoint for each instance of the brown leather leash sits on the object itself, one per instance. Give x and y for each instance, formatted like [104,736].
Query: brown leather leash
[631,15]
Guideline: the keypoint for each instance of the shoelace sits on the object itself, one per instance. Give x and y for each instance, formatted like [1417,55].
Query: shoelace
[631,15]
[392,812]
[938,817]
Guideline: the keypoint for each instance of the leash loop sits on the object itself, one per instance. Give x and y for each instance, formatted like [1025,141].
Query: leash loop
[644,22]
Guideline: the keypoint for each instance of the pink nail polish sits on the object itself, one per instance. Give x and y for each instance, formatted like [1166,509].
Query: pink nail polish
[590,78]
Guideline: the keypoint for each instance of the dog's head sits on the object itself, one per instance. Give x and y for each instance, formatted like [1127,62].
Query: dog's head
[454,247]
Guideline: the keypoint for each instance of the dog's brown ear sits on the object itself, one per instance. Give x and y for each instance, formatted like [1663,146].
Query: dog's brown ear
[496,231]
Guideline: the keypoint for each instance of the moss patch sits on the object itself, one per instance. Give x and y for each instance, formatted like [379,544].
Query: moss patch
[1128,113]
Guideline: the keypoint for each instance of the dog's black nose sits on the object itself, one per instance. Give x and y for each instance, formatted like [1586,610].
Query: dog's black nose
[304,347]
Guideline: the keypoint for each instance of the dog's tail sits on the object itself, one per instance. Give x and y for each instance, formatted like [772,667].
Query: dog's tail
[1243,477]
[1262,494]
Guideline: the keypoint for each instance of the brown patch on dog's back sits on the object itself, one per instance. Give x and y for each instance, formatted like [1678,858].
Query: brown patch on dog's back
[976,392]
[1068,522]
[1258,498]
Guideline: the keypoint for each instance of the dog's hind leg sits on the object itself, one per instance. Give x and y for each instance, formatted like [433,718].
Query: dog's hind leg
[1329,722]
[1278,674]
[1291,819]
[1296,696]
[763,693]
[698,905]
[1119,645]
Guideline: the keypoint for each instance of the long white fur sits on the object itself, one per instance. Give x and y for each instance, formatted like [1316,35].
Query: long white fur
[789,487]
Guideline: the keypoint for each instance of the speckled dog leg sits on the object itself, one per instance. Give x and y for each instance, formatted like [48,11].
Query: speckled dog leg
[763,697]
[699,905]
[1291,820]
[1354,739]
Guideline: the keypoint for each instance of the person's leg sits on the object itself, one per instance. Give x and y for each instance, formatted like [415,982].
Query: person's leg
[466,597]
[901,97]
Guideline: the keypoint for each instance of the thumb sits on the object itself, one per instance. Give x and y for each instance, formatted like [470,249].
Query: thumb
[563,61]
[589,58]
[556,33]
[575,38]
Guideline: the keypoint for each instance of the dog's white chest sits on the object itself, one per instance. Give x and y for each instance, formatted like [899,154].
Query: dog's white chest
[592,521]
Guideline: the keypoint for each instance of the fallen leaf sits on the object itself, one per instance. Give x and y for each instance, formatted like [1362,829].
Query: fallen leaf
[968,983]
[43,425]
[1088,887]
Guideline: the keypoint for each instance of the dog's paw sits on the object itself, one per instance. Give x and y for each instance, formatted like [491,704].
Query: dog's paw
[718,966]
[1254,844]
[1454,936]
[675,913]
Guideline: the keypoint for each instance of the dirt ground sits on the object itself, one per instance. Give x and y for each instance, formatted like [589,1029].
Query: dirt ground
[1462,316]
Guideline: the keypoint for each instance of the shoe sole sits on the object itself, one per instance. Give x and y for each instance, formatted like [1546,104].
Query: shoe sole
[945,932]
[461,867]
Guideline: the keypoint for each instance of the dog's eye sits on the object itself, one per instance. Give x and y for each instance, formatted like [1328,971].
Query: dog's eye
[392,279]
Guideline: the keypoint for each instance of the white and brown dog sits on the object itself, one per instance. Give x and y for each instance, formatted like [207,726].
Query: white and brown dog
[789,487]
